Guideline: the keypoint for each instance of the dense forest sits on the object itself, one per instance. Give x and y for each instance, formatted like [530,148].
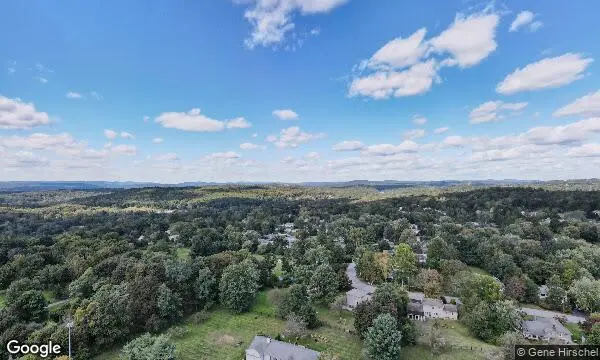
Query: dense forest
[127,262]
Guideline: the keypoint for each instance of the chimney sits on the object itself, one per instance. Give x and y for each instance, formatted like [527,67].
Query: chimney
[268,340]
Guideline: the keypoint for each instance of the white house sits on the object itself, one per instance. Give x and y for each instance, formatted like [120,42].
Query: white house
[265,348]
[436,309]
[543,292]
[544,329]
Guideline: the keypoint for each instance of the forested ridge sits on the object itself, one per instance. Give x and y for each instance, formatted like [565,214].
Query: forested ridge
[122,263]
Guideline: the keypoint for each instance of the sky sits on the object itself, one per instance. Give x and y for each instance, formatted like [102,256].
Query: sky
[299,90]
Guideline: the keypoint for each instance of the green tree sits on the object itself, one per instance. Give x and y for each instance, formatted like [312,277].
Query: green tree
[404,263]
[29,306]
[593,337]
[382,341]
[586,294]
[431,282]
[205,288]
[297,302]
[169,304]
[323,286]
[439,250]
[489,321]
[148,347]
[238,286]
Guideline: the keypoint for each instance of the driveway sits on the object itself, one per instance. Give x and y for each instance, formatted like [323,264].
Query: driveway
[552,314]
[356,282]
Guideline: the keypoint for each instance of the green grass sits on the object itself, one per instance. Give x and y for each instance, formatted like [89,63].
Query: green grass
[2,300]
[226,335]
[576,332]
[183,253]
[49,296]
[476,270]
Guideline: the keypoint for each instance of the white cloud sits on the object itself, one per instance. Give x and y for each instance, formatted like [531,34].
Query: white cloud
[128,150]
[383,84]
[73,95]
[285,114]
[110,134]
[41,79]
[228,155]
[399,53]
[158,140]
[409,66]
[585,150]
[313,155]
[15,114]
[441,130]
[525,18]
[419,120]
[588,105]
[96,95]
[272,19]
[126,135]
[564,134]
[348,145]
[406,146]
[238,123]
[547,73]
[494,111]
[251,146]
[292,137]
[455,141]
[193,120]
[470,39]
[414,134]
[167,157]
[255,135]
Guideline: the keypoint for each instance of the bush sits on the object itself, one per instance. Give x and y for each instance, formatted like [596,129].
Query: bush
[199,317]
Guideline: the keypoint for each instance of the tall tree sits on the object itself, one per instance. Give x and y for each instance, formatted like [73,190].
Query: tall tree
[238,286]
[404,263]
[382,341]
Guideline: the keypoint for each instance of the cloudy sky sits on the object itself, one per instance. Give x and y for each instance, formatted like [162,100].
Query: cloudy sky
[298,90]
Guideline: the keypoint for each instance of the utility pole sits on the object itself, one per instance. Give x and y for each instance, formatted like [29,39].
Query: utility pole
[69,324]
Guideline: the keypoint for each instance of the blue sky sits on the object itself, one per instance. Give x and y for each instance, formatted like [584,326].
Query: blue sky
[296,90]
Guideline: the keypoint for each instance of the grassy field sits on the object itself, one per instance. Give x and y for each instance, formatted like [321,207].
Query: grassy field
[576,332]
[225,336]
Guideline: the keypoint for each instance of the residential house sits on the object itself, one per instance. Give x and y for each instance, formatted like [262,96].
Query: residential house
[436,309]
[416,297]
[544,329]
[543,292]
[265,348]
[415,311]
[422,258]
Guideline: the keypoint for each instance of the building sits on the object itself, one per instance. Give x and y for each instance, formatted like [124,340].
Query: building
[356,296]
[415,311]
[265,348]
[422,258]
[416,297]
[436,309]
[543,292]
[544,329]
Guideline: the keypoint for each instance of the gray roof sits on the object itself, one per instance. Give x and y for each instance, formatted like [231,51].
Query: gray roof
[544,327]
[450,308]
[415,296]
[282,350]
[414,308]
[433,302]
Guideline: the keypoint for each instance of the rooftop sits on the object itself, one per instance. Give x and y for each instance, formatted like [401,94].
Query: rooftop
[281,350]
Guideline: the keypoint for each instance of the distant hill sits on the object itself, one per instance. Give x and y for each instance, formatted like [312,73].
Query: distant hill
[21,186]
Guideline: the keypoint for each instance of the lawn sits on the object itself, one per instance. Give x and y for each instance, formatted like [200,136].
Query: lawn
[183,253]
[2,300]
[576,332]
[225,335]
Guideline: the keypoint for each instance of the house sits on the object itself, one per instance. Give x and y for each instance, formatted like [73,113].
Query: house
[415,311]
[416,297]
[451,300]
[436,309]
[545,329]
[543,292]
[422,258]
[355,297]
[265,348]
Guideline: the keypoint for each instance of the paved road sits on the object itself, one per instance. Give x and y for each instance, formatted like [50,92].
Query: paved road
[359,284]
[551,314]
